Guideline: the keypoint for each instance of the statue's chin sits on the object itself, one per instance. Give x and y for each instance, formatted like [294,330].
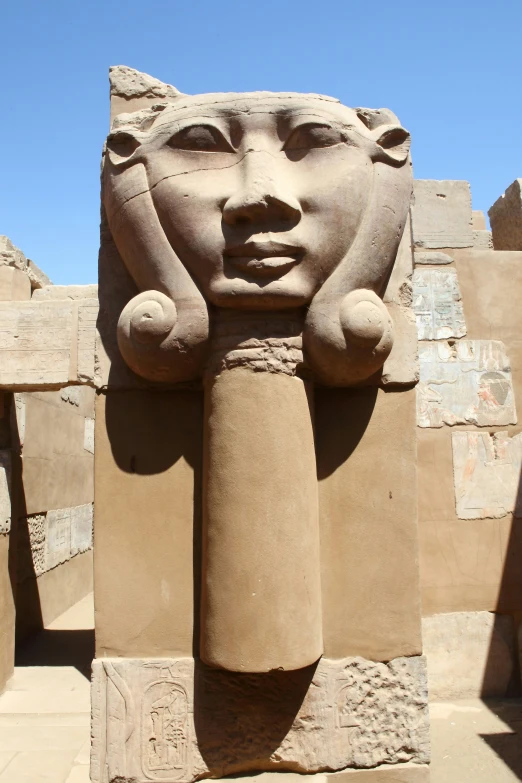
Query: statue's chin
[261,293]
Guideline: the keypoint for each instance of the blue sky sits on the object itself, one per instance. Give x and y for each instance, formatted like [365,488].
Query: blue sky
[452,71]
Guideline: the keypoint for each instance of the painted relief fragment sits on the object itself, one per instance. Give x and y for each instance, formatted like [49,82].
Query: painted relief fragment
[437,304]
[486,472]
[465,382]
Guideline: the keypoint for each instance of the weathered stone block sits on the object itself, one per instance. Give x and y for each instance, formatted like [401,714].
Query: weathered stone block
[437,304]
[81,528]
[57,538]
[483,240]
[47,344]
[478,220]
[17,419]
[132,90]
[432,258]
[88,440]
[15,285]
[55,292]
[441,214]
[465,382]
[469,654]
[486,471]
[505,217]
[87,315]
[35,344]
[10,255]
[57,470]
[335,714]
[54,538]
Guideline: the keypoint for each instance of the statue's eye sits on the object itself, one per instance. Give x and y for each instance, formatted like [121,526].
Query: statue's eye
[200,138]
[313,135]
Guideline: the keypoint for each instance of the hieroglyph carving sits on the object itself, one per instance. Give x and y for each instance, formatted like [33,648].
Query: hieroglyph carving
[215,199]
[486,472]
[170,720]
[165,730]
[437,304]
[465,382]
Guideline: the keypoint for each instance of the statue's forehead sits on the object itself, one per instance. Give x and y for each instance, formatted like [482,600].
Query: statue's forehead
[270,103]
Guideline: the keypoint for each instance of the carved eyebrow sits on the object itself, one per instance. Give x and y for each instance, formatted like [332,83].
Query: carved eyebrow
[175,124]
[309,118]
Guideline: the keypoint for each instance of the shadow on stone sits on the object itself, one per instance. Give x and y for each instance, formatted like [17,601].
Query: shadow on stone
[341,419]
[149,431]
[241,719]
[59,648]
[507,746]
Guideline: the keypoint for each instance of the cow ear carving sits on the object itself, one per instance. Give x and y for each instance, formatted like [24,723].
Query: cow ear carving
[348,331]
[394,143]
[121,146]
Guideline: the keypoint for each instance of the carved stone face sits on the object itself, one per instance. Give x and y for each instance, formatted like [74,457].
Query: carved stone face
[260,196]
[257,201]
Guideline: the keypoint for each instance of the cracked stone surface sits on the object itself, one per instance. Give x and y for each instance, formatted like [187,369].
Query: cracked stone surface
[128,83]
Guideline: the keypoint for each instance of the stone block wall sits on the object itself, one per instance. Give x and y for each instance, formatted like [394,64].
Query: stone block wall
[55,513]
[469,398]
[46,448]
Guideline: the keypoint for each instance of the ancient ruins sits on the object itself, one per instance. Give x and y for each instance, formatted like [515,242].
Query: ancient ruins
[293,397]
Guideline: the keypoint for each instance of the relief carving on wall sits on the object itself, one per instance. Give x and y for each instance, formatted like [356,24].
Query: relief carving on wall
[356,713]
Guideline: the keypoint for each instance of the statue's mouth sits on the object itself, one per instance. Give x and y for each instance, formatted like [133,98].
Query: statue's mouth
[263,259]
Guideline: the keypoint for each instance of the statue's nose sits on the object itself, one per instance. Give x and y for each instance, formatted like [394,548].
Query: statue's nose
[261,196]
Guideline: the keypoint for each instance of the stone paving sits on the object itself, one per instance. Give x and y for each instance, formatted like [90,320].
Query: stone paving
[45,711]
[44,718]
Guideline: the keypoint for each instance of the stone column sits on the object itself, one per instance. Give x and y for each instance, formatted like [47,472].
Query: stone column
[261,593]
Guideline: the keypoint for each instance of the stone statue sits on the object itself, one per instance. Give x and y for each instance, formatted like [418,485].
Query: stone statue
[227,208]
[261,232]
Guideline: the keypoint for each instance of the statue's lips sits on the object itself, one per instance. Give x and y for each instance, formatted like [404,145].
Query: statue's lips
[263,259]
